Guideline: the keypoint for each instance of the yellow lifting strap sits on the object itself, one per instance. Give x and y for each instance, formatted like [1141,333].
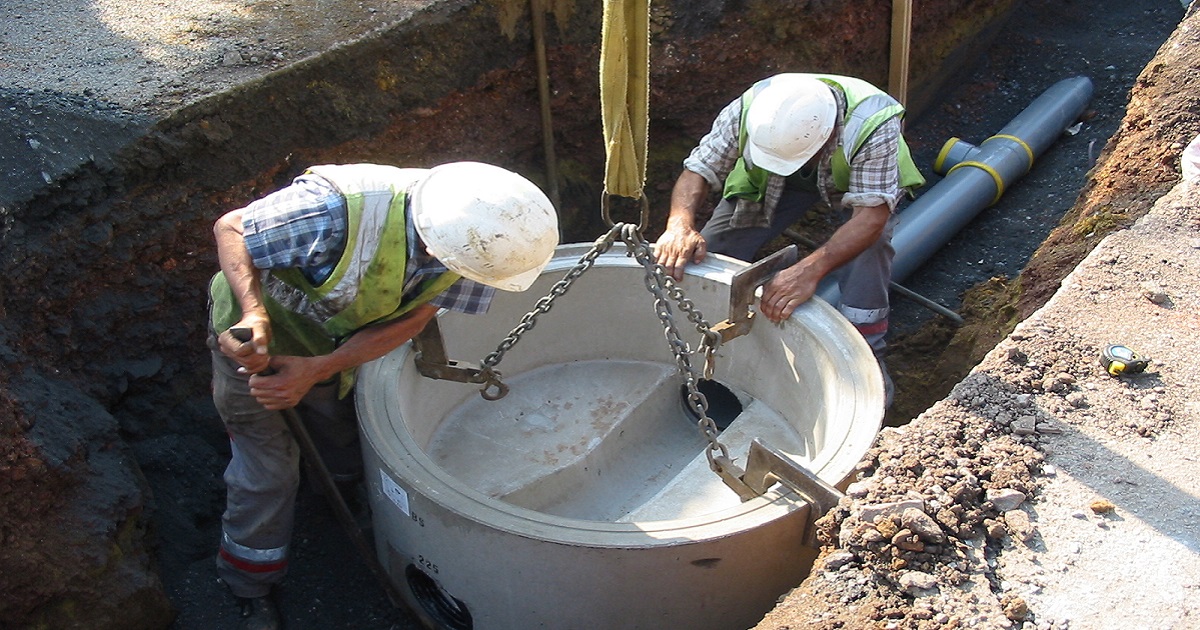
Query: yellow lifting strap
[625,94]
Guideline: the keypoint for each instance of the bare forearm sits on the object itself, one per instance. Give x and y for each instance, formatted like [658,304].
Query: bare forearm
[795,285]
[237,264]
[848,241]
[680,244]
[688,195]
[372,342]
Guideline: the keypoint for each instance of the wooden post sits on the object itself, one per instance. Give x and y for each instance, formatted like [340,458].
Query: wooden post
[537,9]
[901,33]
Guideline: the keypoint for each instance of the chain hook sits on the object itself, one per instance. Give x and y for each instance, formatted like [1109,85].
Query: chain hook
[606,212]
[709,344]
[665,291]
[493,388]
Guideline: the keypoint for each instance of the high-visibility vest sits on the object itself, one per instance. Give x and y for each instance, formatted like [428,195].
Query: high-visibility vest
[366,285]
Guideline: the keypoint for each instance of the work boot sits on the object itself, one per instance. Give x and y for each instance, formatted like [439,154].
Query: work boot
[259,613]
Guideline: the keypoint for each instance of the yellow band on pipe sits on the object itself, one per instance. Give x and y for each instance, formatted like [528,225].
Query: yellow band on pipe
[943,154]
[1019,142]
[999,181]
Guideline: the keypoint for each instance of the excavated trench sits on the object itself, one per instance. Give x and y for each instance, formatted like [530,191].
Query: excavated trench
[103,317]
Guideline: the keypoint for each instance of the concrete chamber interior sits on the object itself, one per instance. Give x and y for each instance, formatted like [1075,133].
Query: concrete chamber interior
[584,499]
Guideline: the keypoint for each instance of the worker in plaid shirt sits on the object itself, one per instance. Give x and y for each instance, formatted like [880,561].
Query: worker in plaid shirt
[344,265]
[789,141]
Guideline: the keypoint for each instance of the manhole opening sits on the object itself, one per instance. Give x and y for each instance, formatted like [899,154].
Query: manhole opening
[723,405]
[444,609]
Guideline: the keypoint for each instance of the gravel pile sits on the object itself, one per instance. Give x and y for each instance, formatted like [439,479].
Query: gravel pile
[1043,493]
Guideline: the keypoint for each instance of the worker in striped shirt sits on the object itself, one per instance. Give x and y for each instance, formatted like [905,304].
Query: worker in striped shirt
[339,268]
[787,142]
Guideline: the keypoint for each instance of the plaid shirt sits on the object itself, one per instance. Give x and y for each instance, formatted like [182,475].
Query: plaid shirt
[304,226]
[874,171]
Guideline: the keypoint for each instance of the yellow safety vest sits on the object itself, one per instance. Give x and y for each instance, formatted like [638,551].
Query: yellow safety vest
[367,283]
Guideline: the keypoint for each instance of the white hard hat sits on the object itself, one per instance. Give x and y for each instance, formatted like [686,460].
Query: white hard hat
[788,122]
[485,223]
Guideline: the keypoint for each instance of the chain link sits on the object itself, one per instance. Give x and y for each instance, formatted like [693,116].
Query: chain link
[543,305]
[665,291]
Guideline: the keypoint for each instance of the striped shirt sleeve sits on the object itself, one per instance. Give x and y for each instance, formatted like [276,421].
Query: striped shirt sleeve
[875,171]
[715,155]
[300,226]
[465,296]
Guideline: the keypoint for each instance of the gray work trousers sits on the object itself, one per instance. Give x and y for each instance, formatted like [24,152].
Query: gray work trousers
[263,474]
[864,282]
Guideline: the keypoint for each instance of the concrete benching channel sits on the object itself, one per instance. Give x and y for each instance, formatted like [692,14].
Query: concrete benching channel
[456,81]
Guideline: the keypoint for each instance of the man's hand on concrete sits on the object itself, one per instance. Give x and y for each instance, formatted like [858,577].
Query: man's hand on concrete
[786,291]
[677,247]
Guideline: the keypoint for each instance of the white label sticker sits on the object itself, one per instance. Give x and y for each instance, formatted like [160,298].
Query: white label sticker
[393,491]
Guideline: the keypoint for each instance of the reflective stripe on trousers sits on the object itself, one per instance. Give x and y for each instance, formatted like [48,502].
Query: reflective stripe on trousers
[250,560]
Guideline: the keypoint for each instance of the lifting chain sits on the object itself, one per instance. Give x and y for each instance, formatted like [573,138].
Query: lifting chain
[487,366]
[664,290]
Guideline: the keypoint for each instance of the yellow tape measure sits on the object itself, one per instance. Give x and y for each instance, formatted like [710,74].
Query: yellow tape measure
[1119,360]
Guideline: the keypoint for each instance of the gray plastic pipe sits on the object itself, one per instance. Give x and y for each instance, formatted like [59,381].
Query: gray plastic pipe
[977,176]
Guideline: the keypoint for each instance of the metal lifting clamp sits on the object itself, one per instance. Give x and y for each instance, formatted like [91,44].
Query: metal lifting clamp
[431,359]
[432,362]
[766,466]
[743,286]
